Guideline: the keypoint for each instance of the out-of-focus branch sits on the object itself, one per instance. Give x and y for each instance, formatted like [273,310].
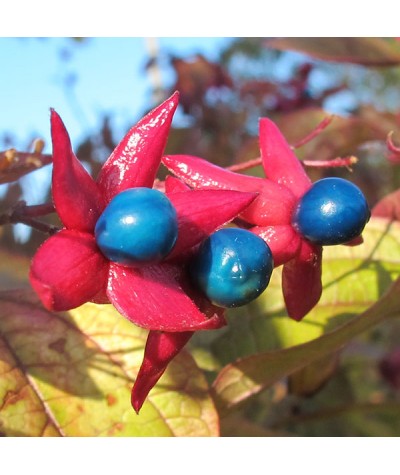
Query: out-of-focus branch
[333,163]
[316,131]
[21,213]
[15,164]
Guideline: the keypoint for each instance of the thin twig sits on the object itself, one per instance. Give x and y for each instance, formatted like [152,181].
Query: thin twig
[333,163]
[316,131]
[238,167]
[21,213]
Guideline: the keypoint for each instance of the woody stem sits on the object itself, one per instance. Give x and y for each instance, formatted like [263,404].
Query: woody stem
[21,213]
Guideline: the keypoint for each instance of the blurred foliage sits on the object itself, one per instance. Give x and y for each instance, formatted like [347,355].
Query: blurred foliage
[306,388]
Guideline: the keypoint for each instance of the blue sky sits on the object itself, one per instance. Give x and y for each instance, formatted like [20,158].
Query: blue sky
[110,76]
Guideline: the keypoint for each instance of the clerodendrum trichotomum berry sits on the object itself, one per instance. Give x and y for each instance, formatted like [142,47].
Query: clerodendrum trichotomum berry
[138,227]
[232,267]
[333,211]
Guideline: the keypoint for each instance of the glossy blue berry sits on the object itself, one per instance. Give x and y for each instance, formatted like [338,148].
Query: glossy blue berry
[138,227]
[333,211]
[232,267]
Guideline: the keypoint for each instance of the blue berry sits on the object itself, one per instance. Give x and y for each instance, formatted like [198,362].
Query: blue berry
[138,227]
[232,267]
[333,211]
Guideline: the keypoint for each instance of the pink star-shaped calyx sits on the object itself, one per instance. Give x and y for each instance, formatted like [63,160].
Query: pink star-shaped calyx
[69,269]
[270,214]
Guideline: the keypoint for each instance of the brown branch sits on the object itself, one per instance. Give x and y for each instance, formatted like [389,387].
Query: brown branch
[21,213]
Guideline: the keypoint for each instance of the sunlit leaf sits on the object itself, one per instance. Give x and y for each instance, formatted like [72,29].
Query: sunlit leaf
[365,51]
[248,376]
[71,375]
[353,277]
[309,380]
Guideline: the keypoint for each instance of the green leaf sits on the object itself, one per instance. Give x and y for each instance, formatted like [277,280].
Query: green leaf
[70,374]
[248,376]
[354,278]
[365,51]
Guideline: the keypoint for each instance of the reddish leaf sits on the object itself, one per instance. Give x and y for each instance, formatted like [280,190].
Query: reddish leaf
[195,77]
[68,270]
[136,159]
[388,207]
[364,50]
[77,198]
[152,298]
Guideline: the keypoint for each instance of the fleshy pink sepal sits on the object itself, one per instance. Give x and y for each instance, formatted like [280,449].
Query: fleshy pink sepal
[283,241]
[201,212]
[274,204]
[136,159]
[279,161]
[160,349]
[68,270]
[153,298]
[301,280]
[77,198]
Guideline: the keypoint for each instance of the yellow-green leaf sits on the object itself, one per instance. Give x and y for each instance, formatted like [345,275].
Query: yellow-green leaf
[353,279]
[70,374]
[248,376]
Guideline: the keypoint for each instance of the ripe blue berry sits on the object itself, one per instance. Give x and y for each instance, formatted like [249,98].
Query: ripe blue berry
[232,267]
[333,211]
[139,226]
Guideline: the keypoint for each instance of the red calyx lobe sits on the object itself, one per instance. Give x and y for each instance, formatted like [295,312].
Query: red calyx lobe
[273,206]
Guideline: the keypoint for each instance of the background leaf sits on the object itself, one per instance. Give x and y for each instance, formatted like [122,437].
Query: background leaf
[353,279]
[248,376]
[365,51]
[71,375]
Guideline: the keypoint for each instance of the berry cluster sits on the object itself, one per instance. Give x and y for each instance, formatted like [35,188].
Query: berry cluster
[163,255]
[140,227]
